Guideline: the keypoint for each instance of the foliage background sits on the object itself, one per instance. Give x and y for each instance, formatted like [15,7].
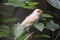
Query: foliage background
[17,13]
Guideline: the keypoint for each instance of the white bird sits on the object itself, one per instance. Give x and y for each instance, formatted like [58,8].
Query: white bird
[32,18]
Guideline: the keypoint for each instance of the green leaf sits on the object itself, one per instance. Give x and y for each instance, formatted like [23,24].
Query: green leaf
[43,35]
[39,26]
[12,1]
[22,37]
[44,19]
[6,28]
[46,16]
[21,3]
[52,26]
[9,19]
[18,30]
[15,4]
[3,33]
[7,13]
[30,5]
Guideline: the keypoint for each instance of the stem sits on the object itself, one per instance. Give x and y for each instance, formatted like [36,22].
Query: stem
[53,35]
[29,36]
[11,34]
[14,39]
[57,35]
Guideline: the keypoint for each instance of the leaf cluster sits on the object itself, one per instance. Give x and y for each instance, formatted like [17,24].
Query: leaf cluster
[28,4]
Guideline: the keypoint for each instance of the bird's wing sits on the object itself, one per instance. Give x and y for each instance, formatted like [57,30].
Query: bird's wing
[28,20]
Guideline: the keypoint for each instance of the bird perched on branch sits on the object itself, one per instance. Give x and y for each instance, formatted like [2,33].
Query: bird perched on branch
[32,18]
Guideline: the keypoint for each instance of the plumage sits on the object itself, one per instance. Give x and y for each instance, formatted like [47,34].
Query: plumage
[34,17]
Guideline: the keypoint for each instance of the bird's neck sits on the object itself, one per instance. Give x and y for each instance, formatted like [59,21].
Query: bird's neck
[38,13]
[35,14]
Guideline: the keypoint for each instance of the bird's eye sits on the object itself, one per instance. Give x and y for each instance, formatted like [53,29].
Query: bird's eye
[38,11]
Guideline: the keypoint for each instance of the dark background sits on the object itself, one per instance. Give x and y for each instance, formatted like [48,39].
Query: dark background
[22,13]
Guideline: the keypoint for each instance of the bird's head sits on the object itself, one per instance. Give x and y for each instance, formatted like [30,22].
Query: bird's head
[38,11]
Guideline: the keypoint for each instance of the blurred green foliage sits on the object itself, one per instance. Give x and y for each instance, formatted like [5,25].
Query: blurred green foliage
[42,35]
[6,20]
[28,4]
[52,26]
[17,30]
[3,33]
[39,26]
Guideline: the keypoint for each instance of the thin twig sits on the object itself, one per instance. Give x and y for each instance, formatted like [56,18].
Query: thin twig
[29,36]
[57,35]
[53,35]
